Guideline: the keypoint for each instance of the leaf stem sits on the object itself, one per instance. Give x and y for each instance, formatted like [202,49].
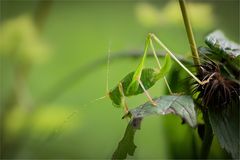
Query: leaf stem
[190,35]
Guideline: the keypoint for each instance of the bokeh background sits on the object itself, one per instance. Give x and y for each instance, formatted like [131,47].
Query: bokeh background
[53,67]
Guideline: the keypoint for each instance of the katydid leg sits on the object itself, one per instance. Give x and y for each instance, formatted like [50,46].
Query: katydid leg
[159,65]
[147,94]
[137,74]
[175,58]
[124,103]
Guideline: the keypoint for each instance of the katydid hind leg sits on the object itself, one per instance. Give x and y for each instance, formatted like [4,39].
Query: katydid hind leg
[147,93]
[175,58]
[160,67]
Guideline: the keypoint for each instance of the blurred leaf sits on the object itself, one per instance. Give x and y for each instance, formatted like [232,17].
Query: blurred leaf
[182,106]
[147,14]
[20,40]
[126,146]
[150,16]
[220,44]
[16,120]
[225,125]
[54,117]
[44,119]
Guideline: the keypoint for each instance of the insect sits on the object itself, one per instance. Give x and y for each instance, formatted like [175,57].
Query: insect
[142,78]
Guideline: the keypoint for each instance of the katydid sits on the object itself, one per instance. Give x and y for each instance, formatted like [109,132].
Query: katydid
[142,79]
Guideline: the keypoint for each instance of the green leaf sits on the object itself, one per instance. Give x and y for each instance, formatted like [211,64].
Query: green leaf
[220,44]
[223,51]
[235,63]
[181,105]
[126,145]
[225,125]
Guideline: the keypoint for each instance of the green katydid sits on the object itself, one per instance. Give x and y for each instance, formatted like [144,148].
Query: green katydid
[142,79]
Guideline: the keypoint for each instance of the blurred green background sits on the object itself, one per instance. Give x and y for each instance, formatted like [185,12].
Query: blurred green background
[47,90]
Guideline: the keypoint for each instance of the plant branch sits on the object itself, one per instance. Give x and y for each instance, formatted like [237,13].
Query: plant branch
[190,35]
[208,133]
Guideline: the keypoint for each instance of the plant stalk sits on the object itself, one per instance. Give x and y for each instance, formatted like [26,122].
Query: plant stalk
[208,133]
[190,35]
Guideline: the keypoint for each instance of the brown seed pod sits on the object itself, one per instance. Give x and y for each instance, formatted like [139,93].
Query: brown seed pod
[220,91]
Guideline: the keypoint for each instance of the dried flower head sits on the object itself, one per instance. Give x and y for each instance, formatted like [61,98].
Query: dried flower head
[220,90]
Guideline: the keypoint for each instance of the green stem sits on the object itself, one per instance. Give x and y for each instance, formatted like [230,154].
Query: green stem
[208,133]
[189,31]
[208,137]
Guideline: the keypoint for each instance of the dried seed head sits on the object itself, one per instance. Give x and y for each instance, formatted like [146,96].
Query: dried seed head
[220,91]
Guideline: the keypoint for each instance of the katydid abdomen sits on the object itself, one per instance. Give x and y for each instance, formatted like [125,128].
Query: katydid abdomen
[149,77]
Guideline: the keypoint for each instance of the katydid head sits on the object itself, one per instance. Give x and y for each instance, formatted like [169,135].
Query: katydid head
[115,98]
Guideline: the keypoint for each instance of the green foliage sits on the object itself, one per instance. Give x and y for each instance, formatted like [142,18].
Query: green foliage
[150,16]
[23,49]
[220,44]
[21,41]
[181,105]
[223,50]
[225,122]
[225,125]
[126,146]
